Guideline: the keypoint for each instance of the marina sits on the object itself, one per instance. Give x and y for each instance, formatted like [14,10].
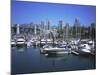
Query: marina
[36,53]
[46,39]
[36,56]
[51,47]
[45,51]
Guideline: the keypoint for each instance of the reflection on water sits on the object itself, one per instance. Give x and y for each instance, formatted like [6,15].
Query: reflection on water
[29,60]
[21,50]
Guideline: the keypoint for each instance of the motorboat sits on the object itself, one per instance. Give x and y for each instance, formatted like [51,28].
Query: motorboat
[84,49]
[44,41]
[92,45]
[54,50]
[62,44]
[13,43]
[49,41]
[20,41]
[36,42]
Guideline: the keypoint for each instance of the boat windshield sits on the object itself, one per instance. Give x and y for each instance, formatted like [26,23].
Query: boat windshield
[83,42]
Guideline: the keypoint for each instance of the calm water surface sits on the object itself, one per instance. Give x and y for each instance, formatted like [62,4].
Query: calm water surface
[29,60]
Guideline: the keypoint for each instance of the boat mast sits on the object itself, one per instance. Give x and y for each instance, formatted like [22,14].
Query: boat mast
[35,29]
[18,29]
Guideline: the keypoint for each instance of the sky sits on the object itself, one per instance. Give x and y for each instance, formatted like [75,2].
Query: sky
[28,12]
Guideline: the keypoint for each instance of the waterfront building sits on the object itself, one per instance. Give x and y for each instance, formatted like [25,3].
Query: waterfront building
[49,28]
[77,28]
[61,30]
[42,28]
[61,24]
[66,32]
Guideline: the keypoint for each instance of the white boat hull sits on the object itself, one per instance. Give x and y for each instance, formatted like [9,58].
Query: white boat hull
[13,44]
[54,50]
[84,51]
[20,44]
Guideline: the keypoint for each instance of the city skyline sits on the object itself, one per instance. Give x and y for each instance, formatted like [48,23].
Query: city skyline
[28,12]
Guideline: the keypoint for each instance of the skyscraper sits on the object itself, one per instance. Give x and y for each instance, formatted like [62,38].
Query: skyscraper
[77,22]
[42,28]
[77,27]
[66,31]
[61,24]
[61,29]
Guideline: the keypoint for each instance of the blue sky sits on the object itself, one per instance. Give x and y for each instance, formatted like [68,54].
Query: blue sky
[27,12]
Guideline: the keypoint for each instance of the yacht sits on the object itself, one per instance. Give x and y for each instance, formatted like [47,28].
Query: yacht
[43,41]
[13,43]
[36,42]
[20,41]
[54,50]
[84,48]
[62,44]
[92,45]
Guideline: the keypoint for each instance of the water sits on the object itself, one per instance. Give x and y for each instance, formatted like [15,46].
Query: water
[29,60]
